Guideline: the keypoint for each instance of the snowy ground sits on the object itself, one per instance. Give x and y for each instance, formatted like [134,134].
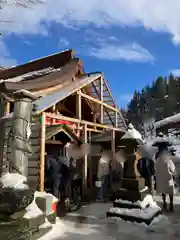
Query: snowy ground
[90,222]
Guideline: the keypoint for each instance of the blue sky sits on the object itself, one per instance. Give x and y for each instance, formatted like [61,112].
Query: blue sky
[132,42]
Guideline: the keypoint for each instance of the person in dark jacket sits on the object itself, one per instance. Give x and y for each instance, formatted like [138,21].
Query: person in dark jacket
[147,171]
[53,170]
[75,193]
[65,175]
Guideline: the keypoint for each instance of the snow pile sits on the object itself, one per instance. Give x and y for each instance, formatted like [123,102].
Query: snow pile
[32,211]
[47,224]
[14,180]
[58,231]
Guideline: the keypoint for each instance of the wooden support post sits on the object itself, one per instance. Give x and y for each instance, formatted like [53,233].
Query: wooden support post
[6,108]
[113,143]
[42,152]
[85,160]
[90,160]
[116,119]
[78,106]
[101,99]
[113,147]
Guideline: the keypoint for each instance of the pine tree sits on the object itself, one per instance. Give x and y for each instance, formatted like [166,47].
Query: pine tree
[156,101]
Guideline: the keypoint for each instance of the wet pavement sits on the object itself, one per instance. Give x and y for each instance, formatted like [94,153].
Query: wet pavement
[90,223]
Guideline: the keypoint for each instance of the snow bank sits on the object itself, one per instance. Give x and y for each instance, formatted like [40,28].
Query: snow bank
[14,180]
[58,231]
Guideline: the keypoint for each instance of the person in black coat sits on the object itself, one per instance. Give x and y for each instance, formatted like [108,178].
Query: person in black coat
[147,171]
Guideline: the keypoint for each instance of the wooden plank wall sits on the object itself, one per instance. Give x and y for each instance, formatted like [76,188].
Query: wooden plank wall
[34,159]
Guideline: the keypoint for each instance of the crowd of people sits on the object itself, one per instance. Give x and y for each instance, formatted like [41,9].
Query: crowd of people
[61,178]
[159,173]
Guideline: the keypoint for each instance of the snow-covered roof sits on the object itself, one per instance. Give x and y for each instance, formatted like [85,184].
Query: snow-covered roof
[169,120]
[32,75]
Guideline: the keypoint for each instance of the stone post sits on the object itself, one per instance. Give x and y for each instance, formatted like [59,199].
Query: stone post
[21,131]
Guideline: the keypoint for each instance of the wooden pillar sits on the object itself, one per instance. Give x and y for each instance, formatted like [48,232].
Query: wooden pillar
[42,152]
[101,98]
[6,108]
[78,106]
[85,160]
[90,161]
[113,144]
[115,119]
[113,147]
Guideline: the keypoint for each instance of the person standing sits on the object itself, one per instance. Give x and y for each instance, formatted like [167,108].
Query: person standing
[64,187]
[165,169]
[54,174]
[103,174]
[147,171]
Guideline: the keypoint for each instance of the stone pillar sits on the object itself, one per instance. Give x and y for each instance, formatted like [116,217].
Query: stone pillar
[21,131]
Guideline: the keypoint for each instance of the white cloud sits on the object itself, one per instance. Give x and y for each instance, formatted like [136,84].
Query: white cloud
[5,59]
[129,52]
[159,16]
[63,43]
[175,72]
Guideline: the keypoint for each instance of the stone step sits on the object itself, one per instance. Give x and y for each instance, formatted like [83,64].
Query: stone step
[147,218]
[126,205]
[131,196]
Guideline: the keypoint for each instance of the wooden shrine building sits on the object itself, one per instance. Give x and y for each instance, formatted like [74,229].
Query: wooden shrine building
[72,106]
[169,125]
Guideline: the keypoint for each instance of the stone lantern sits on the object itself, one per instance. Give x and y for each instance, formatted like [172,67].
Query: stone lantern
[132,183]
[133,203]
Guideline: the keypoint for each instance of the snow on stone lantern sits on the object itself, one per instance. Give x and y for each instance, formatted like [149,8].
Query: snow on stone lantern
[131,140]
[133,203]
[162,142]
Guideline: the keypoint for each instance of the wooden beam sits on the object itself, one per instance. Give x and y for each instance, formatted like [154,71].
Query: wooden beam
[60,117]
[85,161]
[94,130]
[42,151]
[55,142]
[101,99]
[97,101]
